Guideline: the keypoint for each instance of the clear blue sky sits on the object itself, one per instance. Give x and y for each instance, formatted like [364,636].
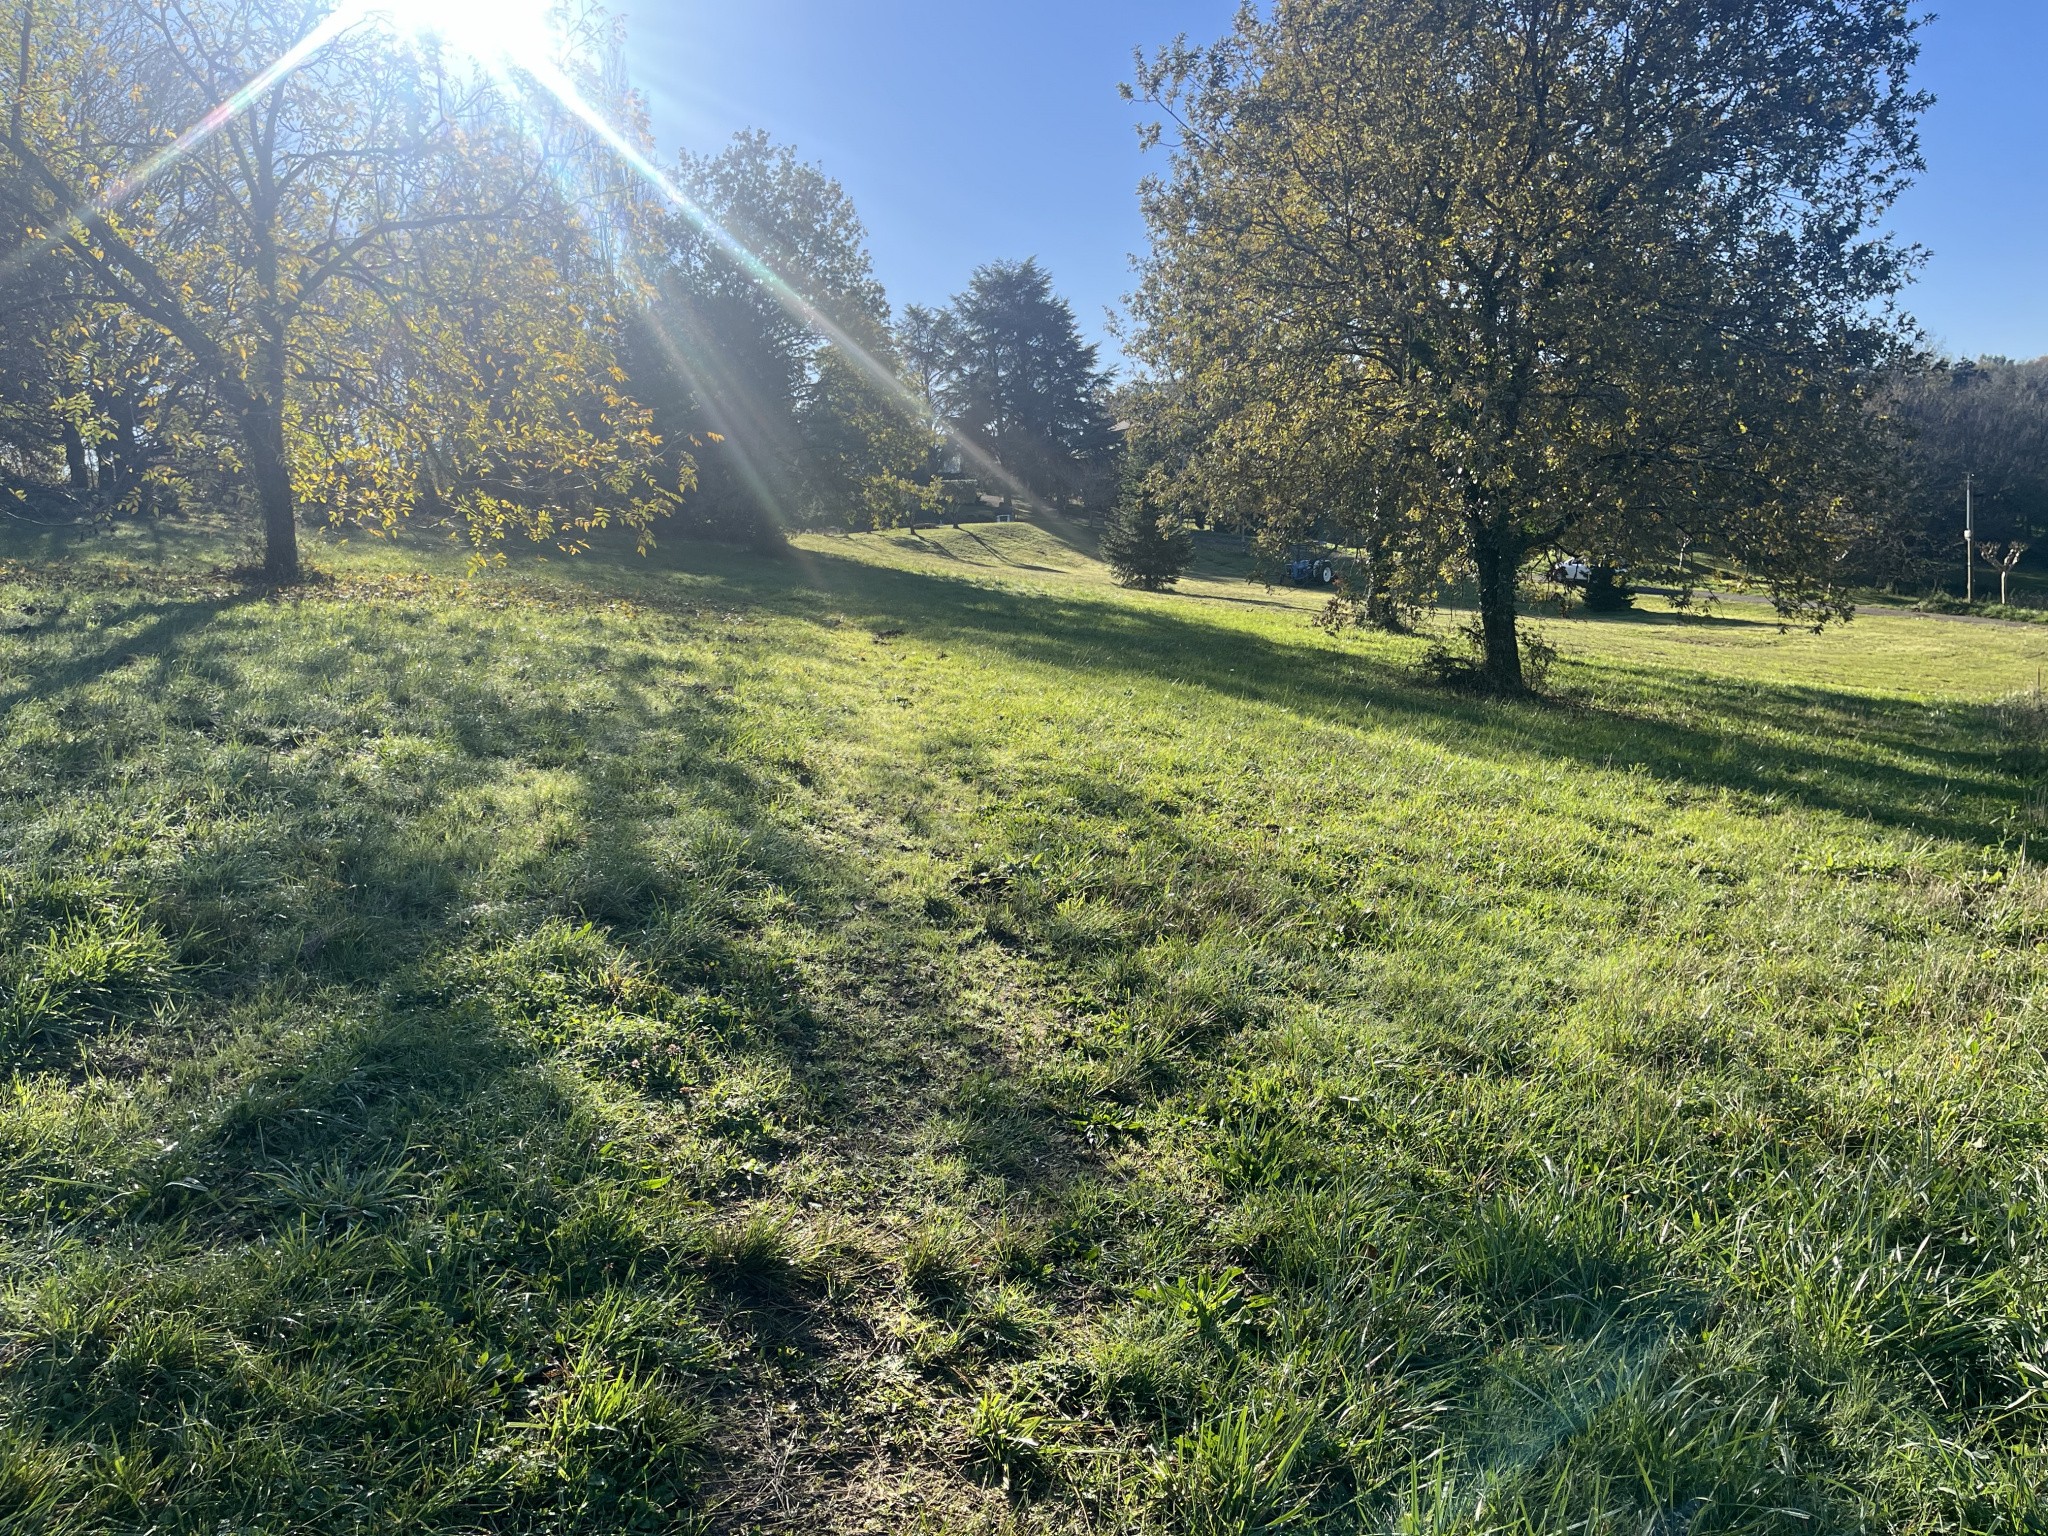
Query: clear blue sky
[968,132]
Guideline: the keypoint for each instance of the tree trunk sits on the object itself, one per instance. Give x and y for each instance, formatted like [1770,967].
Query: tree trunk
[270,475]
[263,422]
[118,455]
[77,472]
[1499,566]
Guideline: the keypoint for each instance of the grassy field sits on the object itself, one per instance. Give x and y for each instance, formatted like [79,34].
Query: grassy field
[911,1038]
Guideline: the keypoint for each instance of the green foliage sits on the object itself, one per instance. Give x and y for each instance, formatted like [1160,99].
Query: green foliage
[1407,277]
[357,293]
[753,1256]
[1236,1474]
[1007,1439]
[624,1449]
[2000,611]
[1005,365]
[1986,418]
[1144,545]
[1456,658]
[1607,591]
[934,1264]
[1216,1304]
[102,967]
[781,423]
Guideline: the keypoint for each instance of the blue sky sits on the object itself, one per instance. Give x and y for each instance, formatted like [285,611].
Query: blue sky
[971,132]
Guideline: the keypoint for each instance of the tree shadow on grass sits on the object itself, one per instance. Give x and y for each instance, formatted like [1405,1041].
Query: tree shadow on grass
[376,1225]
[158,638]
[1779,740]
[1698,618]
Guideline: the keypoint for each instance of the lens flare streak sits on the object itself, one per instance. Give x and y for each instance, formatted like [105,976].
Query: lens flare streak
[336,23]
[533,62]
[551,79]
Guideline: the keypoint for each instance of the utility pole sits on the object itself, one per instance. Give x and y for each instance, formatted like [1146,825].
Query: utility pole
[1969,543]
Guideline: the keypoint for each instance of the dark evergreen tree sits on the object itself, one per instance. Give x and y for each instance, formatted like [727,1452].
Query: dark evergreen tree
[1009,370]
[1608,591]
[1146,545]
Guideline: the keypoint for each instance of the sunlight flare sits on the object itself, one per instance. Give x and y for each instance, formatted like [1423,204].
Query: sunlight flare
[336,22]
[494,32]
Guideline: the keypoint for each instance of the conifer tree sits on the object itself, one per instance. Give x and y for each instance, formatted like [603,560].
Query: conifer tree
[1147,546]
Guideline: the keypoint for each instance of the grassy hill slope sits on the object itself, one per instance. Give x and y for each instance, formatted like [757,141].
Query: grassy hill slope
[911,1037]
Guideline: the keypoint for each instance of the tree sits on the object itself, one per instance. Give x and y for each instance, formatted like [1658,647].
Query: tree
[1535,271]
[1241,464]
[88,394]
[42,407]
[786,425]
[1607,591]
[318,216]
[1010,372]
[1147,545]
[2005,559]
[929,341]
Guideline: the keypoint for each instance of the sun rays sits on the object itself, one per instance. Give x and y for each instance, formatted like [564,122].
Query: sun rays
[520,44]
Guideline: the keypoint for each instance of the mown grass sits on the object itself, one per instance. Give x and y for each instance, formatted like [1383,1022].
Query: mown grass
[909,1037]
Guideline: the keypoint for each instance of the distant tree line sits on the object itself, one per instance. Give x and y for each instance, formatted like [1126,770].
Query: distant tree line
[1455,283]
[1986,420]
[385,282]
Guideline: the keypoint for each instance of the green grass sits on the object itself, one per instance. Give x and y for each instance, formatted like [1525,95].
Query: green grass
[2011,613]
[910,1037]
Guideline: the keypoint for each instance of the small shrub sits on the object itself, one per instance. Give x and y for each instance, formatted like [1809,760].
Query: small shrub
[1145,545]
[1607,591]
[1458,660]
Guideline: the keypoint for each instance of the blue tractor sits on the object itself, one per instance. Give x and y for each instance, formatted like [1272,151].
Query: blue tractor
[1312,570]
